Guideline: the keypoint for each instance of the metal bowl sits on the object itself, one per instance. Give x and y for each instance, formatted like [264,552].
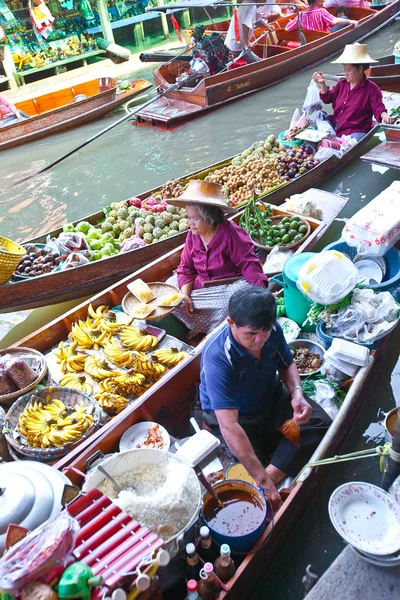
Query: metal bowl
[313,347]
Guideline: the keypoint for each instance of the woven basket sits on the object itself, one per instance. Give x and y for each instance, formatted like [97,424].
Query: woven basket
[10,255]
[70,397]
[277,219]
[41,370]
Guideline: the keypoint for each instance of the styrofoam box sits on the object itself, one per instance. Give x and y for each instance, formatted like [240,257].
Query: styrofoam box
[342,365]
[198,447]
[350,352]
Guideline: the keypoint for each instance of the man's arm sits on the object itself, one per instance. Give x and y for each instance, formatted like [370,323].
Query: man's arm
[291,378]
[239,444]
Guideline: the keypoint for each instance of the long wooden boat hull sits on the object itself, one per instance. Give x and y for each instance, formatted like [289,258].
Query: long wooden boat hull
[57,112]
[218,89]
[168,402]
[94,277]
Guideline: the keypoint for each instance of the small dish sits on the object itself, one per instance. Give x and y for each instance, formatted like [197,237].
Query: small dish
[137,434]
[312,347]
[290,329]
[366,517]
[370,270]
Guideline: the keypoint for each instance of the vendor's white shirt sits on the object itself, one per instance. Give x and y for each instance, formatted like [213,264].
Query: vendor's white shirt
[247,15]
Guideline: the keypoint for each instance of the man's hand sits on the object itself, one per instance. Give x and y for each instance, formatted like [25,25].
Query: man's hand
[301,409]
[188,306]
[270,490]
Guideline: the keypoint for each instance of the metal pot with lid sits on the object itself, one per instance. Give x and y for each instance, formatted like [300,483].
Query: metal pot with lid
[30,493]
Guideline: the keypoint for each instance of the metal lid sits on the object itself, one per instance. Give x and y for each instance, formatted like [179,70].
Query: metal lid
[30,493]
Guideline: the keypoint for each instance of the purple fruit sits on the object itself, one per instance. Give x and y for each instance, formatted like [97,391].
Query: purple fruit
[291,173]
[292,165]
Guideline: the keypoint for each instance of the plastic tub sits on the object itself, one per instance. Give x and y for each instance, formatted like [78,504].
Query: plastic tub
[288,143]
[237,543]
[392,260]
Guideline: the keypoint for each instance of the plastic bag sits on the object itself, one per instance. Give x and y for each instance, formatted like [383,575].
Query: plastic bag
[312,101]
[275,260]
[295,118]
[67,242]
[347,323]
[43,549]
[324,395]
[301,205]
[75,259]
[290,429]
[376,227]
[325,126]
[324,153]
[333,374]
[134,242]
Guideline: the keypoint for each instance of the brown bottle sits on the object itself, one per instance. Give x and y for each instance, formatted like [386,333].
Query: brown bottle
[208,586]
[224,566]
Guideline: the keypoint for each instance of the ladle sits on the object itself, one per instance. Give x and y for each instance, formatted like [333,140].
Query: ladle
[208,486]
[115,484]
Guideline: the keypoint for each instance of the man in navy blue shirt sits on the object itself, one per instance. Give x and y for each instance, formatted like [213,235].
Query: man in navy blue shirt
[244,401]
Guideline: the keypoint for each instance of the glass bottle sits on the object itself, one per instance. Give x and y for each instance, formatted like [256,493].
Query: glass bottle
[192,565]
[206,549]
[209,586]
[192,593]
[224,566]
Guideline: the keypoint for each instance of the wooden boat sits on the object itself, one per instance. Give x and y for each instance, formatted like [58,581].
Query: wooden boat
[278,62]
[387,153]
[58,111]
[168,403]
[385,74]
[93,277]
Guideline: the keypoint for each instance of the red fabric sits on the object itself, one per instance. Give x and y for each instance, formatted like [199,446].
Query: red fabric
[236,23]
[229,254]
[237,63]
[7,108]
[313,19]
[353,109]
[176,27]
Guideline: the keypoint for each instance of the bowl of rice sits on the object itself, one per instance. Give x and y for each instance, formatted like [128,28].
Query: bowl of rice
[158,490]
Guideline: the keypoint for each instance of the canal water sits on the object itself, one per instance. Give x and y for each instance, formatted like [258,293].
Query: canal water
[130,160]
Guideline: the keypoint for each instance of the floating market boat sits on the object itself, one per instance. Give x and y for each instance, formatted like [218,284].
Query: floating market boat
[387,153]
[281,55]
[90,278]
[168,402]
[67,108]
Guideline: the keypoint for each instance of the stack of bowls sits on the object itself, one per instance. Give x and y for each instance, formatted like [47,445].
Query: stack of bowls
[368,518]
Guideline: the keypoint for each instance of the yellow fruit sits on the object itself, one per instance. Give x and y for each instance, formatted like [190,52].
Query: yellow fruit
[170,356]
[169,299]
[134,338]
[76,383]
[111,403]
[117,355]
[88,338]
[149,368]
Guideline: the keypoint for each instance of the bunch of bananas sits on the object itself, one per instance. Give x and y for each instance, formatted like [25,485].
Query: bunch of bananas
[73,363]
[106,320]
[111,403]
[87,336]
[51,425]
[117,355]
[63,352]
[76,383]
[129,382]
[170,356]
[149,368]
[98,368]
[98,313]
[134,338]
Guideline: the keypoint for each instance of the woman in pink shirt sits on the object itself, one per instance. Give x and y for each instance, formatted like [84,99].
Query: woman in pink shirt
[355,99]
[316,18]
[10,113]
[215,249]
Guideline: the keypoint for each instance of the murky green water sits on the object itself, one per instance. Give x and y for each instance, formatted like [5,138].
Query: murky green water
[130,160]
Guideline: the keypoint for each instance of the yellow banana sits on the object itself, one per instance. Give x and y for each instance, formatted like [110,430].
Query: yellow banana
[170,356]
[98,368]
[99,313]
[117,355]
[150,368]
[76,383]
[134,338]
[111,403]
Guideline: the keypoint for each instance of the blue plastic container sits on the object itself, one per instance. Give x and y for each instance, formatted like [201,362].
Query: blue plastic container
[391,258]
[326,340]
[237,543]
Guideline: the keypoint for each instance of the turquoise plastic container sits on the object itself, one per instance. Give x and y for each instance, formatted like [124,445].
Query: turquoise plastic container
[296,304]
[289,143]
[237,543]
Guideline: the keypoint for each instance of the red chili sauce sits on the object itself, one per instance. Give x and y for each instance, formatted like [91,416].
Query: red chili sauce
[242,514]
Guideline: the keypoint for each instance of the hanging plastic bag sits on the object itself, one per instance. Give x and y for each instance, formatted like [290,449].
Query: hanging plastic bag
[75,259]
[312,101]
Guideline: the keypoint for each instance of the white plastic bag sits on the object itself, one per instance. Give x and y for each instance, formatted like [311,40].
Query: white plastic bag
[275,260]
[312,102]
[324,395]
[376,227]
[323,153]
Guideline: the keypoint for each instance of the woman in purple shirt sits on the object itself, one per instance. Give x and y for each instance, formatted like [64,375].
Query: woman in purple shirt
[215,249]
[355,99]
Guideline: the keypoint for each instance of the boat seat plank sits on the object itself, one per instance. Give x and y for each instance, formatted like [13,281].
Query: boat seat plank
[386,154]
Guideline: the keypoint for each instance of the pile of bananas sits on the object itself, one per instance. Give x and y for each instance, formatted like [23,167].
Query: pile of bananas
[76,383]
[69,361]
[98,368]
[149,368]
[111,403]
[106,320]
[138,340]
[46,425]
[118,355]
[170,356]
[88,336]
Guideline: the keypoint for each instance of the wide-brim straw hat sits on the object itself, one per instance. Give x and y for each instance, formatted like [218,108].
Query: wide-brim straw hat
[355,54]
[202,192]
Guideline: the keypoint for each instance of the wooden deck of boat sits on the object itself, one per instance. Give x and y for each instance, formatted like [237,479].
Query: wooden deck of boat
[386,154]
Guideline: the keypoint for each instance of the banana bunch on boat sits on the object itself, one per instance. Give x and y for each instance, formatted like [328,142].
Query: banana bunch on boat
[68,359]
[138,340]
[106,320]
[121,357]
[76,382]
[111,403]
[46,425]
[149,368]
[98,368]
[88,336]
[169,356]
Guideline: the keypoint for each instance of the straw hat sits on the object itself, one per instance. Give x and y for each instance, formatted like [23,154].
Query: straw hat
[202,192]
[355,54]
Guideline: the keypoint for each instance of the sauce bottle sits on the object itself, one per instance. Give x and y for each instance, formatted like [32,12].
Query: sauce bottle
[209,587]
[192,565]
[192,593]
[224,566]
[206,549]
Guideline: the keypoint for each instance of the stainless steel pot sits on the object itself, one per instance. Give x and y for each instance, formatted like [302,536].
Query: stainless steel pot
[390,423]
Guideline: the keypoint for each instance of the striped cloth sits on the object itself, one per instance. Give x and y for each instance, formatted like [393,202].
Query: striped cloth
[313,19]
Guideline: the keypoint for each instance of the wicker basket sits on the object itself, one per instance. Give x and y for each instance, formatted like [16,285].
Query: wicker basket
[70,398]
[10,255]
[277,219]
[41,369]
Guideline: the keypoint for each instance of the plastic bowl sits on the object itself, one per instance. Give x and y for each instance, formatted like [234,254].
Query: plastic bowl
[313,347]
[288,143]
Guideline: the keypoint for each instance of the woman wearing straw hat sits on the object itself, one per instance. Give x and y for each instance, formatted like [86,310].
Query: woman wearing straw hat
[215,249]
[355,99]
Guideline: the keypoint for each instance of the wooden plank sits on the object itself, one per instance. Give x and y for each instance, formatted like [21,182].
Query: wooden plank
[386,154]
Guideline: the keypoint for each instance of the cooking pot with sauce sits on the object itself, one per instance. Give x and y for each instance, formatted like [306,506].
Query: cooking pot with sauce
[390,423]
[242,521]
